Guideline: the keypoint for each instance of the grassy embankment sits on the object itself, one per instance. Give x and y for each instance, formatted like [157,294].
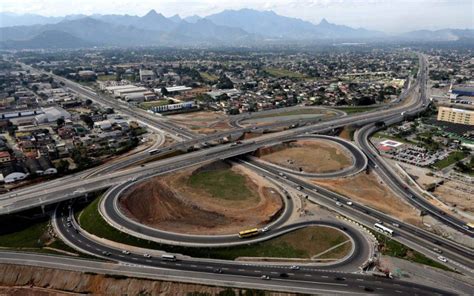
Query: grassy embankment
[393,248]
[302,243]
[24,234]
[351,110]
[290,113]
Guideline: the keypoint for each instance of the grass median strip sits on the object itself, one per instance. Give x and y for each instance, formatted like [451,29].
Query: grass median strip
[302,243]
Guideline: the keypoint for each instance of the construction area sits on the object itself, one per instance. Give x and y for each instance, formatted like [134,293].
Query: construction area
[368,189]
[309,155]
[218,198]
[202,122]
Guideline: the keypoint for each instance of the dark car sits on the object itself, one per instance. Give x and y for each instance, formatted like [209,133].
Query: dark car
[340,278]
[284,275]
[369,289]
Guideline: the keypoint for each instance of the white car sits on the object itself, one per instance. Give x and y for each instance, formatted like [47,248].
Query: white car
[125,252]
[294,267]
[442,259]
[265,277]
[147,255]
[349,203]
[265,229]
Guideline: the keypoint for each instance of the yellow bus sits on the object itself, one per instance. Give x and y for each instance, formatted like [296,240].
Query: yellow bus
[248,233]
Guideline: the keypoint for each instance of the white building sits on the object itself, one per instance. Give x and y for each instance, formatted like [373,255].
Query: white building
[51,114]
[146,75]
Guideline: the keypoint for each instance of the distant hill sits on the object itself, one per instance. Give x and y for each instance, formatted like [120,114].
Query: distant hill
[11,19]
[192,19]
[49,40]
[229,27]
[272,25]
[439,35]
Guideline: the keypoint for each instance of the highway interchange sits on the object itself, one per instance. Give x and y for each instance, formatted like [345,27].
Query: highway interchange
[123,173]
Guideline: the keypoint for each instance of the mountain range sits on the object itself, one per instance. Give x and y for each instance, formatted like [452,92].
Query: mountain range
[229,27]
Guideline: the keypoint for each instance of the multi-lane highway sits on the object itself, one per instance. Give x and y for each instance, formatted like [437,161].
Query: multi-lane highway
[308,278]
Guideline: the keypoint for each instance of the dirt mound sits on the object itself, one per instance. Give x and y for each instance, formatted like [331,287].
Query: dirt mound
[169,203]
[162,207]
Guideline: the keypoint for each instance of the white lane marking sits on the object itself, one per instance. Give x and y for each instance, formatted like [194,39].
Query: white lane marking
[360,280]
[274,272]
[192,265]
[241,269]
[324,276]
[320,283]
[256,271]
[178,264]
[307,275]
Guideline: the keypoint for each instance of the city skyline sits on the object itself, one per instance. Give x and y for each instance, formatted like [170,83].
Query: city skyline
[388,16]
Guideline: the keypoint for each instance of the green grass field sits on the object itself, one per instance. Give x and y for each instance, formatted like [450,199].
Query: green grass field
[452,158]
[106,77]
[209,77]
[279,72]
[223,184]
[302,243]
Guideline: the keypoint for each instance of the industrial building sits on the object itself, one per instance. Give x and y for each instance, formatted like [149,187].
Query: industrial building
[146,75]
[463,90]
[456,115]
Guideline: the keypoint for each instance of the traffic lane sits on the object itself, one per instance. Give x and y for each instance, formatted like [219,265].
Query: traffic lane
[308,276]
[76,264]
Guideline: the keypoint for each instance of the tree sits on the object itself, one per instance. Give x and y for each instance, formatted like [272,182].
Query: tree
[87,120]
[379,124]
[88,102]
[62,166]
[224,82]
[164,91]
[60,122]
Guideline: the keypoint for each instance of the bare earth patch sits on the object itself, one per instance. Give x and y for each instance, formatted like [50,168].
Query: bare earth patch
[203,122]
[170,203]
[366,189]
[311,156]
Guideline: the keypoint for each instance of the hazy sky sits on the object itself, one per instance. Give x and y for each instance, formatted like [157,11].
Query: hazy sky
[386,15]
